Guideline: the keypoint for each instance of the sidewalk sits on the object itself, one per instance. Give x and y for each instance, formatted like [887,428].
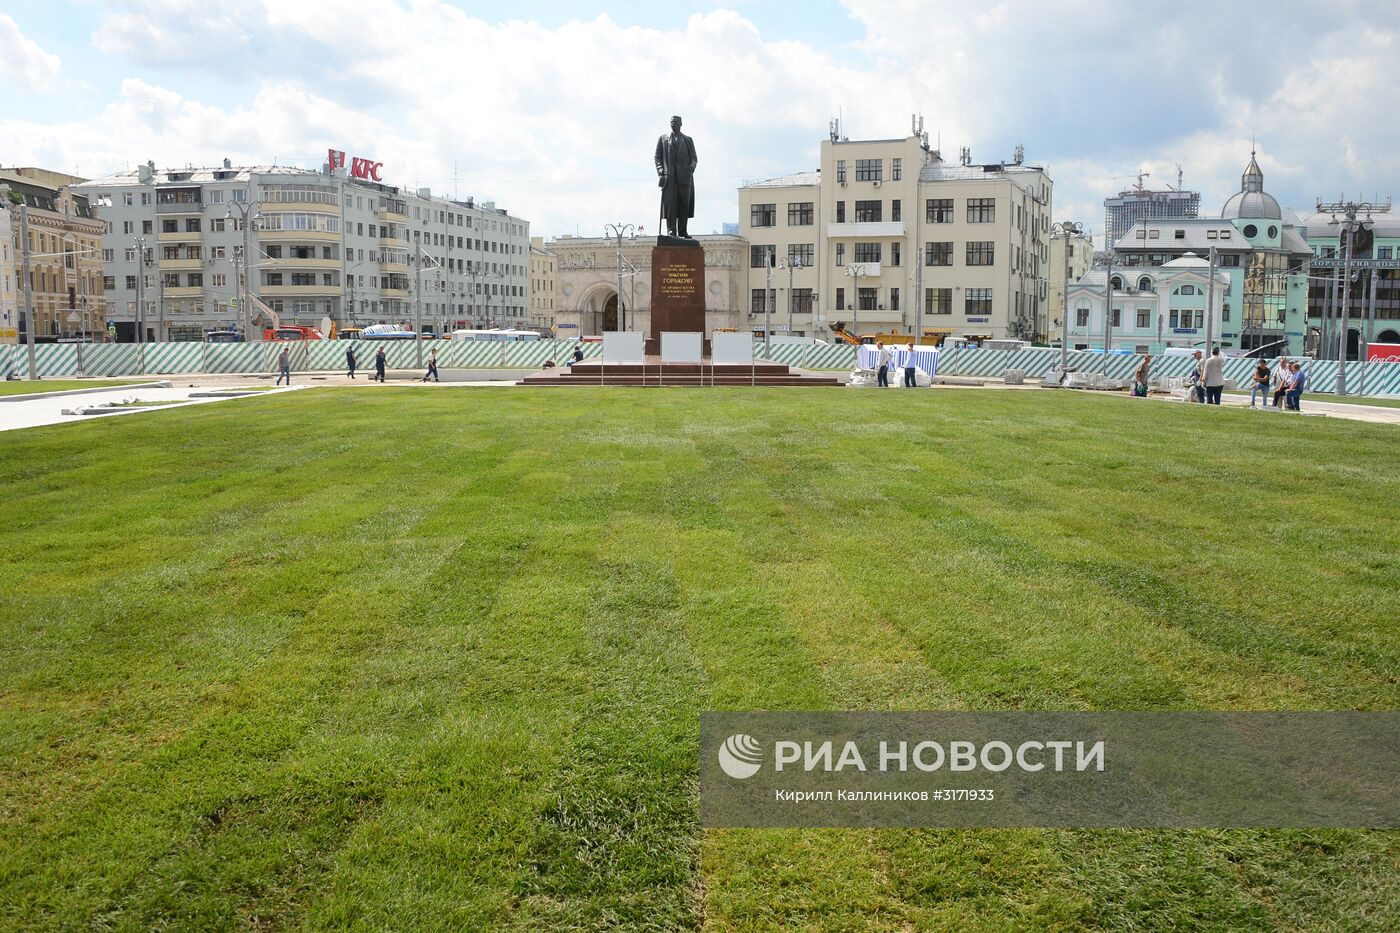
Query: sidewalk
[1313,405]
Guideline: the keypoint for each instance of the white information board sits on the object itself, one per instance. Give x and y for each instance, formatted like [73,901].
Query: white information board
[624,346]
[732,349]
[682,347]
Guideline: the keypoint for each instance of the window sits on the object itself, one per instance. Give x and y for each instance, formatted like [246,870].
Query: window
[218,280]
[303,278]
[840,212]
[981,253]
[938,301]
[869,212]
[169,226]
[128,199]
[217,252]
[894,299]
[1250,231]
[1144,284]
[109,283]
[840,298]
[800,214]
[107,255]
[868,298]
[147,227]
[1117,317]
[867,252]
[977,301]
[938,254]
[216,225]
[1383,252]
[840,254]
[896,171]
[1144,318]
[895,253]
[192,225]
[1210,234]
[840,171]
[272,278]
[801,301]
[761,257]
[758,300]
[1225,312]
[127,227]
[1116,282]
[131,283]
[870,169]
[170,280]
[1179,234]
[1081,317]
[801,254]
[981,210]
[1186,290]
[1141,234]
[196,280]
[763,215]
[939,210]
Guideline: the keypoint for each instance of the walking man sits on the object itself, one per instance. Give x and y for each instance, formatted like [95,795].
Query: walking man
[883,361]
[284,366]
[432,367]
[1213,375]
[350,360]
[1140,377]
[379,361]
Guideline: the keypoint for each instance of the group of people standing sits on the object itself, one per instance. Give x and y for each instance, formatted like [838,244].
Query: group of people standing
[1206,382]
[884,358]
[381,360]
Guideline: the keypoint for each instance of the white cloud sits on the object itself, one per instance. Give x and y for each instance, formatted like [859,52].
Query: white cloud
[23,62]
[557,123]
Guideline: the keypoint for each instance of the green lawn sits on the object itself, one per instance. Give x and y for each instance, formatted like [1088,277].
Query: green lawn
[1323,397]
[415,659]
[25,387]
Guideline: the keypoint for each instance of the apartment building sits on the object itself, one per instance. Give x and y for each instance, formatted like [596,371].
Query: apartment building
[542,264]
[320,246]
[888,237]
[65,259]
[9,275]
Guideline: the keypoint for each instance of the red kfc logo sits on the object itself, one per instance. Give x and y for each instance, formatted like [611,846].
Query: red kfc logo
[359,168]
[335,158]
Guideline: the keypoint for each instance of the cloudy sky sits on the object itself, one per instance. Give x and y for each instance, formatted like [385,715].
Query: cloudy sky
[553,109]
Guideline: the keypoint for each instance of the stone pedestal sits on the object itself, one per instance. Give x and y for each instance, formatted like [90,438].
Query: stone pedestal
[677,292]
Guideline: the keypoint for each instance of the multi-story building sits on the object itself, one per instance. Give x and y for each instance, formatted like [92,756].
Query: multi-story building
[541,284]
[1257,245]
[1154,307]
[888,237]
[1373,315]
[1080,248]
[322,245]
[1139,203]
[65,258]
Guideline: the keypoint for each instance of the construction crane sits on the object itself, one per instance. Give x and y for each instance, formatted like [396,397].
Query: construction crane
[1139,176]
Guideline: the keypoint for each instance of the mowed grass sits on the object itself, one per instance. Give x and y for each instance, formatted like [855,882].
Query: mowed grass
[27,387]
[413,659]
[1338,399]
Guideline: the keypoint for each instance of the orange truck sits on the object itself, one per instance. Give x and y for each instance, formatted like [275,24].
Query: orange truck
[292,332]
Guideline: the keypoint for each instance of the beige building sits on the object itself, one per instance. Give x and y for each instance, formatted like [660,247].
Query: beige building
[888,237]
[586,276]
[1081,259]
[65,257]
[541,284]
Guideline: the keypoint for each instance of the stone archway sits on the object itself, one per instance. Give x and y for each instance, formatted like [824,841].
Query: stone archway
[1388,336]
[609,315]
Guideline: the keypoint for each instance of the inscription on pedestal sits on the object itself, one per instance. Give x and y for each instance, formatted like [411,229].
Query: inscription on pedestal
[677,292]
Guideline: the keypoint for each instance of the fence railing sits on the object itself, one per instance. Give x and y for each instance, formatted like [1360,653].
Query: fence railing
[129,359]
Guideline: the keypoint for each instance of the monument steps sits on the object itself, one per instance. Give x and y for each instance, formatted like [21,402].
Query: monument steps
[654,375]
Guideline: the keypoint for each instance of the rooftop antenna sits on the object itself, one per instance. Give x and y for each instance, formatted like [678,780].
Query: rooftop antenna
[965,155]
[1020,156]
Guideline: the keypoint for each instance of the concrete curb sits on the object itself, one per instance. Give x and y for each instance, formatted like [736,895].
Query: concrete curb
[62,392]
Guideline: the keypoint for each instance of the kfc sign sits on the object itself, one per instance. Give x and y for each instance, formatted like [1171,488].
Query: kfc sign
[359,168]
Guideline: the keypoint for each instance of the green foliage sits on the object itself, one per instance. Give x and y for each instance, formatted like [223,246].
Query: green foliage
[412,659]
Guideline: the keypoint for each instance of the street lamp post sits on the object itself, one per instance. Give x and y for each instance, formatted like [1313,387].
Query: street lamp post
[1349,224]
[139,318]
[249,214]
[792,263]
[618,231]
[855,271]
[1066,229]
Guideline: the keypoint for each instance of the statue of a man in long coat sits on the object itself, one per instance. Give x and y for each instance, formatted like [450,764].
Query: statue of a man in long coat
[675,164]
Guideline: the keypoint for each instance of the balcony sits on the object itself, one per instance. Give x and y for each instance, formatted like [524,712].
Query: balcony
[393,211]
[180,265]
[299,291]
[293,262]
[318,236]
[183,291]
[870,270]
[886,228]
[180,207]
[179,236]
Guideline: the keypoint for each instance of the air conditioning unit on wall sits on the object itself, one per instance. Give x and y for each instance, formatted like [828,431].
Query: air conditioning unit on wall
[877,183]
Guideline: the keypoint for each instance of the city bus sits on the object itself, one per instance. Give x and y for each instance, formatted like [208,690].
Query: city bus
[499,335]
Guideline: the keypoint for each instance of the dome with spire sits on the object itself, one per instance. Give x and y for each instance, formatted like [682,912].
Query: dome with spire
[1252,201]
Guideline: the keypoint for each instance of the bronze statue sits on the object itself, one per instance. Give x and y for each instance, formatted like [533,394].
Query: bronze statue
[675,164]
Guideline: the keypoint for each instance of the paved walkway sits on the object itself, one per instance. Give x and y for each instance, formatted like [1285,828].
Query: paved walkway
[1313,405]
[36,412]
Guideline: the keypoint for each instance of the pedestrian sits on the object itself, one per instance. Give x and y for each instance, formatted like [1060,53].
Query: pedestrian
[284,366]
[1194,379]
[432,367]
[1213,376]
[883,361]
[379,361]
[578,356]
[1295,388]
[1283,375]
[1261,383]
[1141,375]
[350,360]
[910,382]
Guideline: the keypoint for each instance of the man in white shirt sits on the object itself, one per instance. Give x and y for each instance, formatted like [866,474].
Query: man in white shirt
[1213,377]
[883,361]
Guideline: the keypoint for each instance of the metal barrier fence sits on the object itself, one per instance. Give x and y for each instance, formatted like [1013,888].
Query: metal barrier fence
[128,359]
